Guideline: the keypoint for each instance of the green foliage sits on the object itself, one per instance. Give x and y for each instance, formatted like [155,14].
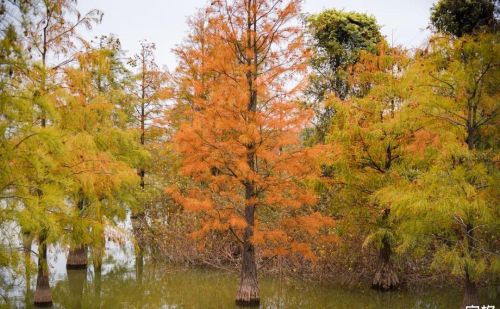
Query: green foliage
[451,206]
[461,17]
[457,83]
[337,39]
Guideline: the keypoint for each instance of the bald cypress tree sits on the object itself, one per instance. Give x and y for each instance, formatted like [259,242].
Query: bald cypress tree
[447,199]
[49,31]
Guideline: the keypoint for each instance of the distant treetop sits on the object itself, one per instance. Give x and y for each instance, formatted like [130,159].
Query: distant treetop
[460,17]
[350,30]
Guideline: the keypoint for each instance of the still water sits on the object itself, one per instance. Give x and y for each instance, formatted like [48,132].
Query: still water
[165,286]
[174,287]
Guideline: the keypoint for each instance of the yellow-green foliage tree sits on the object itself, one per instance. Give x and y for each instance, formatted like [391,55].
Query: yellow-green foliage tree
[49,34]
[69,153]
[15,129]
[368,138]
[103,150]
[450,200]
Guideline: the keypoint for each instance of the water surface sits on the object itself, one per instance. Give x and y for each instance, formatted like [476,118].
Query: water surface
[165,286]
[175,287]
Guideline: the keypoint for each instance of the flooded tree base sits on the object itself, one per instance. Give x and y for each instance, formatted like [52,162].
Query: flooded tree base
[77,258]
[76,266]
[248,294]
[43,297]
[385,278]
[471,295]
[199,287]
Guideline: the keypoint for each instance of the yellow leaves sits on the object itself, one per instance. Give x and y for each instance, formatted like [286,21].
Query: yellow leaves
[245,139]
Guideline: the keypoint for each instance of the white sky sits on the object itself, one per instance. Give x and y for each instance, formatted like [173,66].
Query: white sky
[164,21]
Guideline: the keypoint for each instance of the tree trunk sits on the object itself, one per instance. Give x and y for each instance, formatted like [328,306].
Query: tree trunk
[471,296]
[77,258]
[248,291]
[385,278]
[139,266]
[98,253]
[27,242]
[43,295]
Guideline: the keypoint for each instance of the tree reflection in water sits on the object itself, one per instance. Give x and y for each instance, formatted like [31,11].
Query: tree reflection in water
[172,287]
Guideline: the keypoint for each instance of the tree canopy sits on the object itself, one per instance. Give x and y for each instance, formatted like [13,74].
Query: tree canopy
[458,17]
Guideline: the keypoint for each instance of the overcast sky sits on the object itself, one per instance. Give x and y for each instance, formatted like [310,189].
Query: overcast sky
[164,21]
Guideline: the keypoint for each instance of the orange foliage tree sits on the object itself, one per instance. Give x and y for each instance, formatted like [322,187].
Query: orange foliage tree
[239,139]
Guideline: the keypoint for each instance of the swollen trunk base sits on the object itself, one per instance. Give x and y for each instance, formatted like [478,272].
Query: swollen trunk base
[471,296]
[385,278]
[248,293]
[77,258]
[43,295]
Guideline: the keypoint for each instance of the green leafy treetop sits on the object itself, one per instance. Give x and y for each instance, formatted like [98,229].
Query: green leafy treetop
[460,17]
[337,37]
